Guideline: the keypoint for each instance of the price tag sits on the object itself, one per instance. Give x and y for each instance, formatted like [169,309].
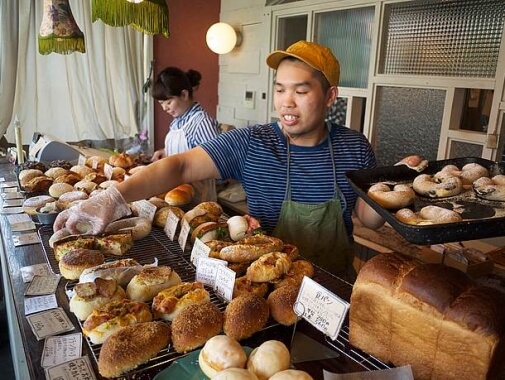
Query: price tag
[12,202]
[29,272]
[12,195]
[145,209]
[200,249]
[108,171]
[49,323]
[61,349]
[171,225]
[77,369]
[183,235]
[41,303]
[224,283]
[23,226]
[11,210]
[9,184]
[206,270]
[25,239]
[12,219]
[41,285]
[320,307]
[82,160]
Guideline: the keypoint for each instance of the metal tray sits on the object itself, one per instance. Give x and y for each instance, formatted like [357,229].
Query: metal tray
[481,218]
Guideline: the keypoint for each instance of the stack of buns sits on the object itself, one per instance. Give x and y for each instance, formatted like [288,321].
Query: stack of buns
[429,316]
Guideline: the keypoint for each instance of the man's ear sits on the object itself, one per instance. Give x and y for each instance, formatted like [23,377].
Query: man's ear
[331,95]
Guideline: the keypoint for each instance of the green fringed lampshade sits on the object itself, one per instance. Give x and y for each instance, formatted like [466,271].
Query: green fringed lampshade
[149,16]
[59,32]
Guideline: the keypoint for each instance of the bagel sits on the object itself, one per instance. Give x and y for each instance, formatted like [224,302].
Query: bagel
[140,227]
[468,174]
[437,186]
[491,189]
[251,248]
[428,215]
[399,196]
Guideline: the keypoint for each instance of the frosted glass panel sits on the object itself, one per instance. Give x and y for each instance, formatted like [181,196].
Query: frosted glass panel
[464,149]
[443,38]
[337,112]
[349,34]
[408,122]
[290,30]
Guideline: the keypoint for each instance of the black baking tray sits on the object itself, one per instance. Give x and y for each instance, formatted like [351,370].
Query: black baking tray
[481,218]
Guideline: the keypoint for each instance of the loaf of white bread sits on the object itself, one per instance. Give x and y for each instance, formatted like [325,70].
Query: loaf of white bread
[433,317]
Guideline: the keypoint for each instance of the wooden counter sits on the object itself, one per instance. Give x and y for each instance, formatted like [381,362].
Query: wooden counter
[27,351]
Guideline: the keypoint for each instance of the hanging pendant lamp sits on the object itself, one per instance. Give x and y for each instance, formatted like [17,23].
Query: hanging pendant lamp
[59,32]
[147,16]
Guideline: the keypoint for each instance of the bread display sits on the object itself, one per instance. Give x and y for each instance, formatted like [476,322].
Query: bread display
[74,262]
[132,346]
[94,294]
[168,303]
[430,316]
[151,280]
[195,325]
[269,267]
[113,316]
[269,358]
[245,315]
[122,271]
[219,353]
[280,302]
[122,160]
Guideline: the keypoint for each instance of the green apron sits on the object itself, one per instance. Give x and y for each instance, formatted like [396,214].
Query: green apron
[318,230]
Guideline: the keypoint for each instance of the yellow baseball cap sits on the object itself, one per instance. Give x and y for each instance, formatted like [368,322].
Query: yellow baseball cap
[317,56]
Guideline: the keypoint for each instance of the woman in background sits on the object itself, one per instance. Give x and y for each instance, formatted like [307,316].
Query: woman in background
[191,126]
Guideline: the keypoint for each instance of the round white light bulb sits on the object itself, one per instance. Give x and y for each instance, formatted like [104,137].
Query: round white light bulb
[221,38]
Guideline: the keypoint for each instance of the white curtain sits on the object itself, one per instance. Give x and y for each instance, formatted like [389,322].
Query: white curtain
[96,95]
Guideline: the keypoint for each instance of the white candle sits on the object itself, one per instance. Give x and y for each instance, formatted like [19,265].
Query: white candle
[19,141]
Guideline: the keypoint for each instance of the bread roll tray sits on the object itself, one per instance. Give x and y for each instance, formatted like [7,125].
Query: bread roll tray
[481,218]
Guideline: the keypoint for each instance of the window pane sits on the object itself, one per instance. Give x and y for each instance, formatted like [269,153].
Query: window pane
[291,29]
[408,122]
[349,35]
[443,38]
[464,149]
[476,109]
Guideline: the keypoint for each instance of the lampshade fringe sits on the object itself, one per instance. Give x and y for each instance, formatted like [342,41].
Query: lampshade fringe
[61,45]
[149,17]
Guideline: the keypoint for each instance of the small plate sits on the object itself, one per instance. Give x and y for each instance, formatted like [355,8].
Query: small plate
[187,368]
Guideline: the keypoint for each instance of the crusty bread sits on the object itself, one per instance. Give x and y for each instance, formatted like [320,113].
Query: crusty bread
[160,217]
[221,352]
[295,274]
[269,358]
[430,316]
[281,301]
[169,302]
[178,197]
[91,295]
[150,281]
[132,346]
[113,316]
[195,325]
[74,262]
[244,286]
[245,315]
[269,267]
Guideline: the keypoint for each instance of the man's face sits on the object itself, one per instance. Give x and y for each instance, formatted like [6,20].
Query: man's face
[299,99]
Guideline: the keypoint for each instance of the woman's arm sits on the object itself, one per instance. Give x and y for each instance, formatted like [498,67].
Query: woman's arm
[367,215]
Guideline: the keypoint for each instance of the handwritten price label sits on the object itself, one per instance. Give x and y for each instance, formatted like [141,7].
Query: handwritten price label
[183,235]
[225,281]
[206,269]
[199,250]
[171,225]
[321,308]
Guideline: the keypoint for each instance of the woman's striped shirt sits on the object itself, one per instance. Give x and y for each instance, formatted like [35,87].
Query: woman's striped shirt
[257,157]
[198,125]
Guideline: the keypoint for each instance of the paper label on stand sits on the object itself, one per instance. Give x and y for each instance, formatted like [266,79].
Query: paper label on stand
[11,210]
[77,369]
[171,225]
[41,285]
[82,161]
[206,269]
[108,171]
[225,282]
[40,303]
[9,184]
[145,209]
[12,202]
[321,308]
[23,226]
[12,219]
[183,235]
[200,249]
[37,146]
[25,239]
[49,323]
[61,349]
[12,195]
[31,271]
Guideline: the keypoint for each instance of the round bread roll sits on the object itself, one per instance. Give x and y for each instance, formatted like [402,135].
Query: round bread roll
[58,189]
[94,296]
[122,160]
[219,353]
[195,325]
[65,199]
[150,281]
[291,374]
[56,172]
[30,205]
[27,175]
[281,302]
[82,170]
[245,315]
[178,197]
[40,183]
[157,202]
[168,303]
[269,358]
[96,162]
[132,346]
[86,186]
[299,269]
[244,286]
[74,262]
[70,178]
[160,217]
[235,374]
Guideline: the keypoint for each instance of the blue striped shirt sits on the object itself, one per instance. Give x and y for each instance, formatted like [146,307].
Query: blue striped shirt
[257,157]
[198,125]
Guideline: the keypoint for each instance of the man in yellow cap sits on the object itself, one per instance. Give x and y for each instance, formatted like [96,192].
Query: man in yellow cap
[293,170]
